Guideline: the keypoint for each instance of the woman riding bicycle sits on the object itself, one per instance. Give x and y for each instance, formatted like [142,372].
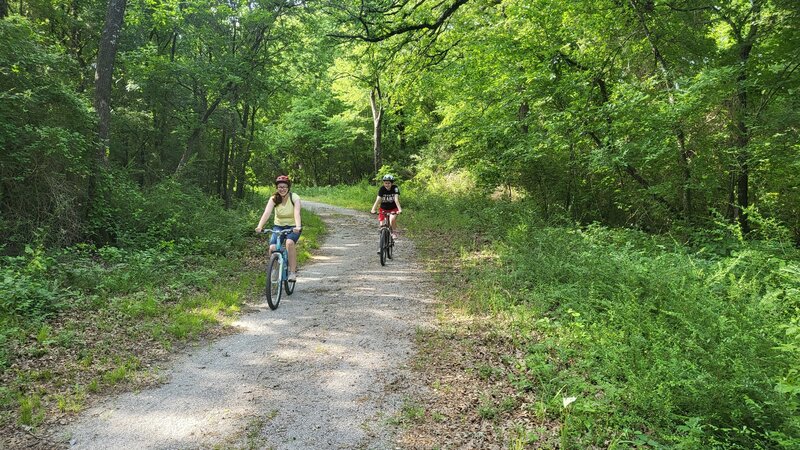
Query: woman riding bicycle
[287,216]
[389,199]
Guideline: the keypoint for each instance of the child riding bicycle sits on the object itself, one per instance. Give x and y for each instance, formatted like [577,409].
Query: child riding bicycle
[389,199]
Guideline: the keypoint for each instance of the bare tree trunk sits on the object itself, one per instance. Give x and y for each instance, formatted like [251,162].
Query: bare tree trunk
[740,105]
[377,121]
[230,164]
[401,132]
[245,159]
[107,53]
[226,155]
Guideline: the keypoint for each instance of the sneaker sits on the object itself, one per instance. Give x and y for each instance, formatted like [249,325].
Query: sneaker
[292,276]
[394,236]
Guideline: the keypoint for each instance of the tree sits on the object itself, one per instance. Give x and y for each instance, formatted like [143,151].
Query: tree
[107,53]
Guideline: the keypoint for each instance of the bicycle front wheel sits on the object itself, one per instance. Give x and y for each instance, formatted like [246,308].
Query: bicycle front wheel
[274,285]
[384,245]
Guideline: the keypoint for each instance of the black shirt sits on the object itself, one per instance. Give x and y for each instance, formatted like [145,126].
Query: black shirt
[387,197]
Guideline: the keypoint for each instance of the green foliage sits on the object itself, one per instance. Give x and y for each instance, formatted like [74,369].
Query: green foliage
[687,337]
[169,214]
[45,136]
[315,144]
[27,286]
[661,344]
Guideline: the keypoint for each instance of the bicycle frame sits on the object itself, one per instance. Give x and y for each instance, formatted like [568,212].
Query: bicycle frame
[386,242]
[278,280]
[280,247]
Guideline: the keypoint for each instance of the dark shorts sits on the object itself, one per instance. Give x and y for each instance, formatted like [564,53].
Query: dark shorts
[293,236]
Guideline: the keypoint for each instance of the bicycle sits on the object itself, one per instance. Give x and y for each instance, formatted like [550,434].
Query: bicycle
[386,241]
[278,270]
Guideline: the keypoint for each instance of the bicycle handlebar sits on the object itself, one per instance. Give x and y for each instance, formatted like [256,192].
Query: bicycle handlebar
[270,230]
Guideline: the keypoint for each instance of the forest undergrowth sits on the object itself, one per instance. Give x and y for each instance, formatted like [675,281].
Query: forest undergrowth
[583,336]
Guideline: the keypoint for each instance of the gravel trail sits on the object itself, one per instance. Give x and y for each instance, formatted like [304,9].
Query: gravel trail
[327,369]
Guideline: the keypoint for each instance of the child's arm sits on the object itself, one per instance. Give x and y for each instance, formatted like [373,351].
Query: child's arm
[397,202]
[375,205]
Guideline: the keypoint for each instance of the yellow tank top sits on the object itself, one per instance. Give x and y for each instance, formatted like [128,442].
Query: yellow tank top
[284,213]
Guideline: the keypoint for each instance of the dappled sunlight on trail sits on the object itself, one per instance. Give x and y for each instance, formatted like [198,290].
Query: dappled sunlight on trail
[324,370]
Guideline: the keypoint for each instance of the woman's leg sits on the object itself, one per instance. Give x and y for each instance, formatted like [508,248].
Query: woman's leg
[290,247]
[393,222]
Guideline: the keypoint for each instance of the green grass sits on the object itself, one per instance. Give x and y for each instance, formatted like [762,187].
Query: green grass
[410,412]
[31,412]
[360,196]
[661,344]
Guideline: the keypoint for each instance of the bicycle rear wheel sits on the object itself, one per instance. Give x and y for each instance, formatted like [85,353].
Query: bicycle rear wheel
[289,287]
[384,243]
[274,285]
[389,246]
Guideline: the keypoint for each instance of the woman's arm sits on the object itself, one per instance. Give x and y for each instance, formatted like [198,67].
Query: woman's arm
[297,224]
[265,216]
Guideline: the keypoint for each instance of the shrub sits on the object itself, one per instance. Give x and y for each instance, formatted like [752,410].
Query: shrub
[26,287]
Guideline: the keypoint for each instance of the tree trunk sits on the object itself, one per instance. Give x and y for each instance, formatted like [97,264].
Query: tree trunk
[205,112]
[401,132]
[377,121]
[107,53]
[230,167]
[241,181]
[742,133]
[522,115]
[223,154]
[740,129]
[3,9]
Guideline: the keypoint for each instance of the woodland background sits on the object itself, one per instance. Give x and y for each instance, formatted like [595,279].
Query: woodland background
[655,129]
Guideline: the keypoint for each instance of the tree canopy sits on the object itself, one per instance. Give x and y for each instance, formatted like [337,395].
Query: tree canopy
[644,113]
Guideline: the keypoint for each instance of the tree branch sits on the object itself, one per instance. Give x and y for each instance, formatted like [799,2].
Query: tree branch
[367,36]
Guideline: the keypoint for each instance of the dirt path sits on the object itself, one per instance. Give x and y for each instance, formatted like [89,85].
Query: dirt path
[327,369]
